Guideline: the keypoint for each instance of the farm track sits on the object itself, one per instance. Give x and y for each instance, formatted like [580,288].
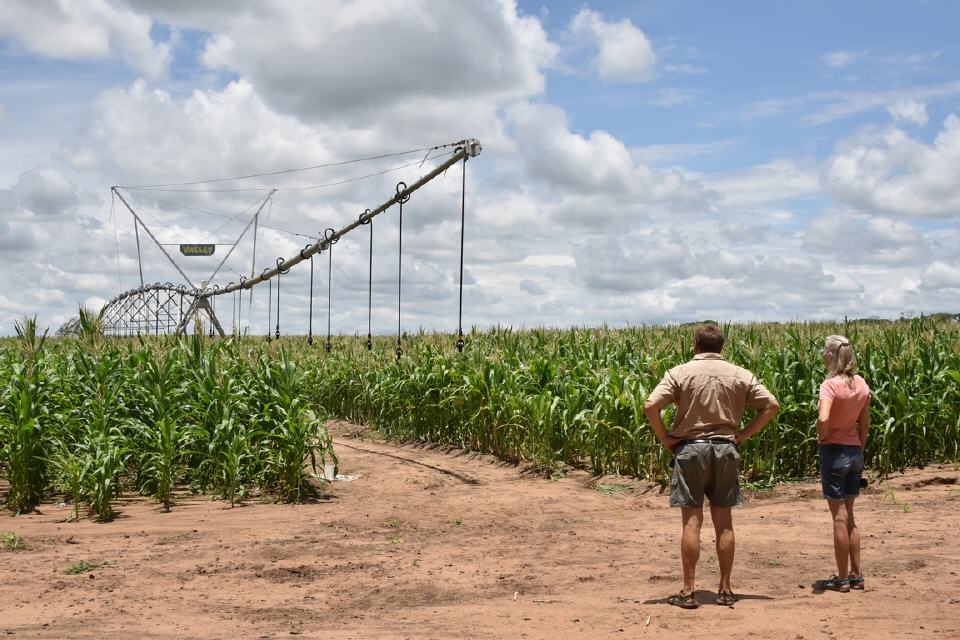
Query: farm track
[431,543]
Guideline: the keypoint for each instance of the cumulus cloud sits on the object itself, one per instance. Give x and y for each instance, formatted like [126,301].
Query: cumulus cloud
[861,239]
[941,275]
[638,263]
[43,191]
[890,172]
[598,163]
[432,51]
[682,277]
[909,111]
[85,30]
[149,136]
[622,52]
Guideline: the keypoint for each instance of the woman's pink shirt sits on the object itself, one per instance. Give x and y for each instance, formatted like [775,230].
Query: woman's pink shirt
[847,403]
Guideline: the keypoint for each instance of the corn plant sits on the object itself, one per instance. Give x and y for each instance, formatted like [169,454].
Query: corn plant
[22,421]
[289,433]
[229,460]
[161,439]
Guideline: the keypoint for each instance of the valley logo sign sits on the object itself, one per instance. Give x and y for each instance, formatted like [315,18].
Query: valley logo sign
[198,249]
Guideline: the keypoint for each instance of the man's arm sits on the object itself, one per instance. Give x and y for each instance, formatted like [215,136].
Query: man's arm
[764,403]
[652,411]
[759,421]
[662,396]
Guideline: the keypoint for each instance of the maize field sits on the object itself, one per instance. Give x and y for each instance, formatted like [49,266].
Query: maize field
[93,417]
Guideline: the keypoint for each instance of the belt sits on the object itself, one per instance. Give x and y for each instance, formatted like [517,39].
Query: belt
[710,441]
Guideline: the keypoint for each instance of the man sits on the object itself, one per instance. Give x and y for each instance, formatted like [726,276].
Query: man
[710,394]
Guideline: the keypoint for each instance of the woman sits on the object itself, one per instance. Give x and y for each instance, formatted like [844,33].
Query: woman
[842,423]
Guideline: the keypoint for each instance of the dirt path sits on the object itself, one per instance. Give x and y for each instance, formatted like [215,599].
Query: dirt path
[427,544]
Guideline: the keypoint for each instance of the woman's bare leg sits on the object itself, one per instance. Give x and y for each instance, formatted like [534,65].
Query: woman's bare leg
[841,537]
[853,538]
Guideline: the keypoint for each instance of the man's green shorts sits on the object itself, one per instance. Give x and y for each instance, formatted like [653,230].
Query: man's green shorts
[709,469]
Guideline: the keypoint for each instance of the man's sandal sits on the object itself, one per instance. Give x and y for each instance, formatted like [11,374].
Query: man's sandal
[683,600]
[833,583]
[856,582]
[726,598]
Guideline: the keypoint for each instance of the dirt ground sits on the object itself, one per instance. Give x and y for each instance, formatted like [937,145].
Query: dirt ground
[434,544]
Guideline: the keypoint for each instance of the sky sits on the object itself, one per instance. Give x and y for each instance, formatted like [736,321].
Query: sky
[643,162]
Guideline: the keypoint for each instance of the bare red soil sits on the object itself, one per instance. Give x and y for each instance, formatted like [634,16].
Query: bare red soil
[434,544]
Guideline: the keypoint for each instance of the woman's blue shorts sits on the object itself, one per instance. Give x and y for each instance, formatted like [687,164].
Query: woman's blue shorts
[841,467]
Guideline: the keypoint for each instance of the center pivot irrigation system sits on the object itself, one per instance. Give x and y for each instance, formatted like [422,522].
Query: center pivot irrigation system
[165,307]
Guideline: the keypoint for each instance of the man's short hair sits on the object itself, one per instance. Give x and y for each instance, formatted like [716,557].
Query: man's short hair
[709,338]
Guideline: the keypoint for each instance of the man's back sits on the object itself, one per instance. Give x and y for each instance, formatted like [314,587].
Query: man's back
[711,395]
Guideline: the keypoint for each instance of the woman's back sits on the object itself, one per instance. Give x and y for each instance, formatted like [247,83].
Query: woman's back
[846,402]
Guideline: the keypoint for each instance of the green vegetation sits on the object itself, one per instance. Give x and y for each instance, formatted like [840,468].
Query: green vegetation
[93,417]
[892,496]
[575,397]
[611,489]
[13,541]
[83,566]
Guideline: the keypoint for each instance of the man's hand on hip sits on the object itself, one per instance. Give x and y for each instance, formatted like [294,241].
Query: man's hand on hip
[670,443]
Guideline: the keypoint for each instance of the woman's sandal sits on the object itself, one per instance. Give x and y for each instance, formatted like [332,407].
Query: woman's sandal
[833,583]
[683,600]
[856,582]
[726,598]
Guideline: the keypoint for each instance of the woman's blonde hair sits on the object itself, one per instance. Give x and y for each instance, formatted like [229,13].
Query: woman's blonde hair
[841,360]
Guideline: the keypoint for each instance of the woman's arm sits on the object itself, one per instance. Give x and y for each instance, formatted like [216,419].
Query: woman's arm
[822,416]
[863,424]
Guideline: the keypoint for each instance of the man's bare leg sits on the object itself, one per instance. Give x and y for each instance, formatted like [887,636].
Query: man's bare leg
[723,526]
[690,544]
[853,536]
[841,537]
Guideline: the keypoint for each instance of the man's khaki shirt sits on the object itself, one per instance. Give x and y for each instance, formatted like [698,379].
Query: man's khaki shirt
[711,395]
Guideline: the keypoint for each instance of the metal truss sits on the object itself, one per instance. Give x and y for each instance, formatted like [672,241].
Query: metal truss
[153,309]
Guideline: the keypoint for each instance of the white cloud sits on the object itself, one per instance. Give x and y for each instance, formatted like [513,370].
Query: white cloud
[622,51]
[842,58]
[941,275]
[674,97]
[146,134]
[893,61]
[84,30]
[685,68]
[640,262]
[599,163]
[822,107]
[844,104]
[860,239]
[659,153]
[889,172]
[772,181]
[334,60]
[910,111]
[43,191]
